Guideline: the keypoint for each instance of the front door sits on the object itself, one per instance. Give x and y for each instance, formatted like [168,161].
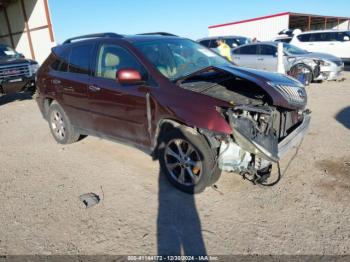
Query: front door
[118,111]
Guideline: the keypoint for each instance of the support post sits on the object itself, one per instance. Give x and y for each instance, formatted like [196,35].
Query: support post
[280,64]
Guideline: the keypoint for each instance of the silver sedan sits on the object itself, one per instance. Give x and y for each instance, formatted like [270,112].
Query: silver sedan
[263,56]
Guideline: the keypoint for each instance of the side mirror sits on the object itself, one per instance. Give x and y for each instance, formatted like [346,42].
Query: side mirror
[346,38]
[129,77]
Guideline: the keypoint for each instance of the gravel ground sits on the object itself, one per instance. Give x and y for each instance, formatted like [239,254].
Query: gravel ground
[140,213]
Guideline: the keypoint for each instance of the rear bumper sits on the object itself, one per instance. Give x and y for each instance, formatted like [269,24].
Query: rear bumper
[294,138]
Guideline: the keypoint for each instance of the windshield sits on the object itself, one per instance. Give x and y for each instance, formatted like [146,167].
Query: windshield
[177,58]
[293,50]
[6,51]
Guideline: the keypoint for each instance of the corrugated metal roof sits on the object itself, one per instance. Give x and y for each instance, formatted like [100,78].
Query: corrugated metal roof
[275,15]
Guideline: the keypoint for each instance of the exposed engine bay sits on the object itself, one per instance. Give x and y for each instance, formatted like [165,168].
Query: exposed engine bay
[258,126]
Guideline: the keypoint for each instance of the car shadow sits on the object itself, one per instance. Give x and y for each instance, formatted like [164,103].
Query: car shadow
[343,117]
[179,229]
[8,98]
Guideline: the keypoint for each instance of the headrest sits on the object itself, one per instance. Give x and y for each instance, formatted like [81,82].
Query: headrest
[111,60]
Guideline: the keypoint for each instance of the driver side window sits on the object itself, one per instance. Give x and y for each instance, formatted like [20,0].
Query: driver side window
[112,58]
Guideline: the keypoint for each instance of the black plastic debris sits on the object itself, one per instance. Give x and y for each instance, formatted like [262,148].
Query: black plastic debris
[89,199]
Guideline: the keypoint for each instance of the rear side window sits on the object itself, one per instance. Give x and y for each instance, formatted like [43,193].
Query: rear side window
[80,57]
[249,50]
[321,37]
[213,44]
[268,50]
[205,43]
[304,38]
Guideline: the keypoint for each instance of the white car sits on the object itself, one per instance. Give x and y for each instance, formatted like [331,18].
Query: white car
[334,42]
[263,56]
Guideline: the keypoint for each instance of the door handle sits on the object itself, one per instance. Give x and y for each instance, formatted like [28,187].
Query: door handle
[68,89]
[56,81]
[94,88]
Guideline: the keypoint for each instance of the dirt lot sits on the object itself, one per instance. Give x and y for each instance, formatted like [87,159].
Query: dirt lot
[140,213]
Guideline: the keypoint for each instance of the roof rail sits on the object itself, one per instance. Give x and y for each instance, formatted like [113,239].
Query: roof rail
[112,35]
[159,33]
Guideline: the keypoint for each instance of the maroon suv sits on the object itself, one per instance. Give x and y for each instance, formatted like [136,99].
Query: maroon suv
[170,96]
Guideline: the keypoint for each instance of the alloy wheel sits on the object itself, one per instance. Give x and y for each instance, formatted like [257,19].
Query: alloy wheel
[57,124]
[183,162]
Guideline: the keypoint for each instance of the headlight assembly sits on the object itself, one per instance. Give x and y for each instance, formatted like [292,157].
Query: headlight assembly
[33,68]
[324,63]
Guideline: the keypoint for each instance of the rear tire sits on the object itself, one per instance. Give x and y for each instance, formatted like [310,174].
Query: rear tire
[187,160]
[60,126]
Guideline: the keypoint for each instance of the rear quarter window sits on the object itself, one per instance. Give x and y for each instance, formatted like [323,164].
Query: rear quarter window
[61,61]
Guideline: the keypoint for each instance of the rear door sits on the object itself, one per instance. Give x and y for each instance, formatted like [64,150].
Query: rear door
[74,84]
[267,57]
[246,56]
[320,42]
[118,111]
[69,77]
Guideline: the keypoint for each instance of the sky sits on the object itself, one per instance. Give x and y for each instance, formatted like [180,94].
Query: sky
[189,18]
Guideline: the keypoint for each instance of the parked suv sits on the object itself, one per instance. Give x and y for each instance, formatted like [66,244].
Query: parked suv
[16,72]
[169,96]
[334,42]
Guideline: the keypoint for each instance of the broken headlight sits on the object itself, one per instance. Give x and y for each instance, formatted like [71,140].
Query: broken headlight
[324,63]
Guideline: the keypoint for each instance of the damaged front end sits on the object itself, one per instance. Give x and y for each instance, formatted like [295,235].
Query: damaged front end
[267,117]
[261,136]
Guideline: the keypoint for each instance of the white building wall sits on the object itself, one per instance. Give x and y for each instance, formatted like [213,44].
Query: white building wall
[263,29]
[38,24]
[343,26]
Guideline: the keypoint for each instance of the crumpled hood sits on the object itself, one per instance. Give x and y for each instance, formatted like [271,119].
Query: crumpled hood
[284,90]
[324,56]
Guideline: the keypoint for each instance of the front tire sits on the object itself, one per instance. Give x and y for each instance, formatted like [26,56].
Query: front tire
[60,126]
[187,160]
[302,68]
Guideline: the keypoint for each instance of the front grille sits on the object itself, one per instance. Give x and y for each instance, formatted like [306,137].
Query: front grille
[14,71]
[293,94]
